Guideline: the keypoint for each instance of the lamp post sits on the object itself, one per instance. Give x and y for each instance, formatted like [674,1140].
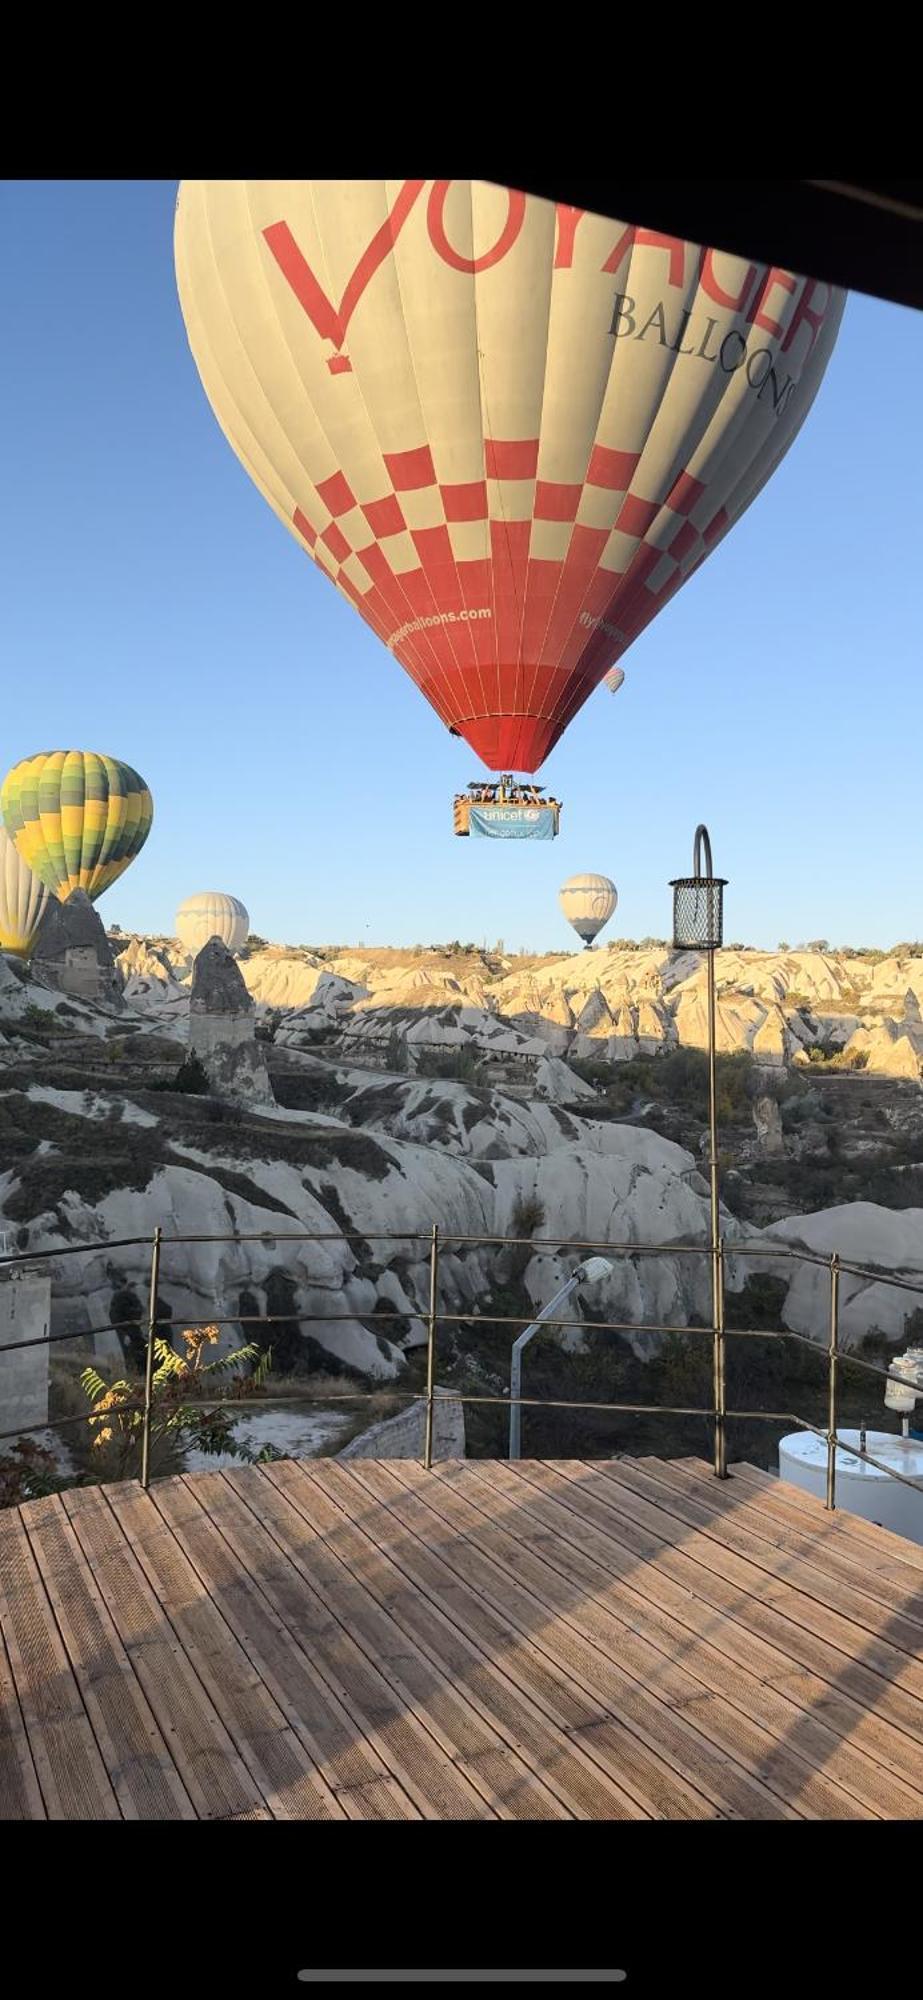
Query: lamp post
[698,917]
[591,1272]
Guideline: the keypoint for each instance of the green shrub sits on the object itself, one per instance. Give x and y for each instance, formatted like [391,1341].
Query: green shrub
[528,1215]
[191,1079]
[458,1065]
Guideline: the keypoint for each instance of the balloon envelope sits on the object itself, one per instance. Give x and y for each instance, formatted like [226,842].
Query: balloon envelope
[23,900]
[507,431]
[588,902]
[614,679]
[77,818]
[212,914]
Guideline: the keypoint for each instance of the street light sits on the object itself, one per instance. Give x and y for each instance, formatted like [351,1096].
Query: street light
[591,1272]
[698,917]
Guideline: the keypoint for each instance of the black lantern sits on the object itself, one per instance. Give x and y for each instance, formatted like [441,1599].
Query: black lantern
[698,914]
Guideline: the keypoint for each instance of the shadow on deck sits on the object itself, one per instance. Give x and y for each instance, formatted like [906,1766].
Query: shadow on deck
[628,1639]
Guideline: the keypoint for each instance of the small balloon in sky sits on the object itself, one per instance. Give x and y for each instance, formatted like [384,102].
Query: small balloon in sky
[588,901]
[210,914]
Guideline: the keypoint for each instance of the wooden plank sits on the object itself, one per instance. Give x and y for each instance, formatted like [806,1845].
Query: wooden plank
[517,1587]
[240,1570]
[746,1723]
[871,1761]
[141,1771]
[624,1639]
[430,1738]
[760,1640]
[20,1792]
[277,1762]
[876,1675]
[720,1517]
[212,1772]
[466,1639]
[891,1554]
[367,1597]
[71,1772]
[808,1539]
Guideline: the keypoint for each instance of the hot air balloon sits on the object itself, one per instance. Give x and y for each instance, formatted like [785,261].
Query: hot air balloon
[588,902]
[77,819]
[613,679]
[507,430]
[23,900]
[212,914]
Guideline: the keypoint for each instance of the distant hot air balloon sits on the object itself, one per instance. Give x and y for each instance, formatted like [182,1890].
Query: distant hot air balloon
[507,430]
[613,680]
[588,902]
[23,900]
[78,819]
[212,914]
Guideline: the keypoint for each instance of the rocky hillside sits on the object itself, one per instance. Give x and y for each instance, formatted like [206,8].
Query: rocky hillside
[561,1102]
[862,1010]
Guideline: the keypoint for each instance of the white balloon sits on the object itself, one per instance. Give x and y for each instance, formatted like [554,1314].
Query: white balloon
[613,680]
[588,902]
[212,914]
[23,900]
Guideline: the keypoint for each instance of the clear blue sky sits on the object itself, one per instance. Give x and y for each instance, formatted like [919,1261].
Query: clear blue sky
[154,607]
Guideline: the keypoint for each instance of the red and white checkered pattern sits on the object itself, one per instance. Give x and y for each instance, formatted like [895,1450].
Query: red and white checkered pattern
[506,491]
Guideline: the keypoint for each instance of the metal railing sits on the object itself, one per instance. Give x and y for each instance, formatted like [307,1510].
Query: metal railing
[435,1244]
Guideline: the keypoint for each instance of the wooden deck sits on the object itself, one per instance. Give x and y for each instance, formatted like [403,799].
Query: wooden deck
[314,1640]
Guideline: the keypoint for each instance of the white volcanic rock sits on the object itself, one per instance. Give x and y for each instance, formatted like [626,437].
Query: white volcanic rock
[222,1027]
[737,1019]
[610,1003]
[203,1280]
[606,1005]
[88,1104]
[897,975]
[633,1187]
[560,1084]
[891,1048]
[864,1234]
[277,981]
[149,959]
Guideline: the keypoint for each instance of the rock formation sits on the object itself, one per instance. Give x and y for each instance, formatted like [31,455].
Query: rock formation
[403,1436]
[609,1005]
[73,954]
[764,1089]
[222,1027]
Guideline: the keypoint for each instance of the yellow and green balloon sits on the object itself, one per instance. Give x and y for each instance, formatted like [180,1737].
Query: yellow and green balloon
[76,818]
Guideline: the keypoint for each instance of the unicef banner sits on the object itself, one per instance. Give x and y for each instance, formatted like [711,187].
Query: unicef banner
[513,822]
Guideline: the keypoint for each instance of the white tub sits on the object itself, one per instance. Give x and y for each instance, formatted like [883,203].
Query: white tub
[860,1487]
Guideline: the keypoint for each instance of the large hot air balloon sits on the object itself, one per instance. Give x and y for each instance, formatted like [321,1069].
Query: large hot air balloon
[77,819]
[588,902]
[212,914]
[23,900]
[507,430]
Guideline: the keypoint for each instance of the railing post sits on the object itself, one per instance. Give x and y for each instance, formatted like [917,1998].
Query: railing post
[149,1364]
[720,1363]
[431,1346]
[717,1249]
[833,1356]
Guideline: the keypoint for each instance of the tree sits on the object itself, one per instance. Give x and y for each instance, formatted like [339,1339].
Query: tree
[192,1077]
[179,1384]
